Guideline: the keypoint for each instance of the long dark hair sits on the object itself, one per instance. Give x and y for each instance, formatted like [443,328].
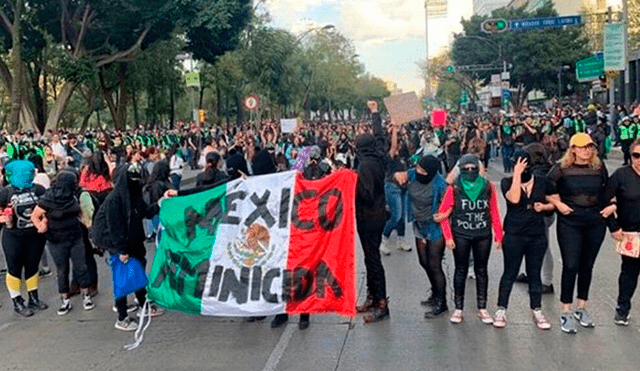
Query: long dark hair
[36,160]
[97,165]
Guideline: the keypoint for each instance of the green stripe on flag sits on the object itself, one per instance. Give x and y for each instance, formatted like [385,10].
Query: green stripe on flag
[181,262]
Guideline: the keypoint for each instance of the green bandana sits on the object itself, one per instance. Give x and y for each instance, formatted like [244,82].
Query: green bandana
[473,189]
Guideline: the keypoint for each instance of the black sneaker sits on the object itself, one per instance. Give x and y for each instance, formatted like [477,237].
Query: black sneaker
[522,278]
[279,320]
[45,272]
[304,321]
[547,289]
[20,308]
[621,319]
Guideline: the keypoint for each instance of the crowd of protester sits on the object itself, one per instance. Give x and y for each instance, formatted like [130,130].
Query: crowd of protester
[59,186]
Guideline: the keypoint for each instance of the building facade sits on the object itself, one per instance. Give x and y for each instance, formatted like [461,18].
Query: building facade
[485,7]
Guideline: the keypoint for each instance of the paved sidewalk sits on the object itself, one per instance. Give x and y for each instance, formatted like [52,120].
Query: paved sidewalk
[176,341]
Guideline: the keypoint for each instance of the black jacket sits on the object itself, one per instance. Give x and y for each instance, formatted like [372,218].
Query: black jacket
[118,218]
[371,152]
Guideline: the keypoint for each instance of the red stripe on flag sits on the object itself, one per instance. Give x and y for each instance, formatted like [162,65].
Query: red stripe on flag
[321,260]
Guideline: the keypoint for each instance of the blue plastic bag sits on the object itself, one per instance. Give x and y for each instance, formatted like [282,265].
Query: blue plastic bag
[128,277]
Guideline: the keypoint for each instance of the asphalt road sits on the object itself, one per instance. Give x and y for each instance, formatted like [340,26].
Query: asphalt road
[176,341]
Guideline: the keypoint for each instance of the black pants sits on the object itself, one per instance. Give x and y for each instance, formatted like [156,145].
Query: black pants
[514,248]
[625,146]
[141,295]
[430,254]
[70,249]
[22,250]
[481,247]
[579,247]
[627,283]
[92,267]
[370,239]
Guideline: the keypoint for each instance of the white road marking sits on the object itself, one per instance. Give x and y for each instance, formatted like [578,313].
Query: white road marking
[278,351]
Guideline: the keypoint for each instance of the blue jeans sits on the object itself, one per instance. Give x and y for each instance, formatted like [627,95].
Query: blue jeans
[507,153]
[396,199]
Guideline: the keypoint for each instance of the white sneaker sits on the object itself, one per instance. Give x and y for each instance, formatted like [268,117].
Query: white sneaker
[126,324]
[65,307]
[384,249]
[130,308]
[402,245]
[87,303]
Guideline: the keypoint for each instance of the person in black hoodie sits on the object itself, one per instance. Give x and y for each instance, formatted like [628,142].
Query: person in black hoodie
[118,229]
[371,155]
[58,217]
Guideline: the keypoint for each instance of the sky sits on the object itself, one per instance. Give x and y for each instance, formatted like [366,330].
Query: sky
[389,35]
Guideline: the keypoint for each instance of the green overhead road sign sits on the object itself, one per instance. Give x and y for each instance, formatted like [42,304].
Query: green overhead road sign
[590,69]
[464,98]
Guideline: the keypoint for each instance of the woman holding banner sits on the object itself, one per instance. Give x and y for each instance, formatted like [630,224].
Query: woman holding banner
[624,185]
[371,157]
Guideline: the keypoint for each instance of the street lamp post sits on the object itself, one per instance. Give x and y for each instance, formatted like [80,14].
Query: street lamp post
[491,42]
[313,72]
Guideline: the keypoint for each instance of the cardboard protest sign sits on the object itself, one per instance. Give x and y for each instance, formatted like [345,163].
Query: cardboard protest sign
[404,108]
[438,118]
[288,125]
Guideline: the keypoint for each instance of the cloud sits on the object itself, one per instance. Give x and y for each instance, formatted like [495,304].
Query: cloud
[378,21]
[291,11]
[374,22]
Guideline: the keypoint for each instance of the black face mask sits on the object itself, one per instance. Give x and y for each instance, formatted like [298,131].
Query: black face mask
[469,175]
[526,176]
[424,179]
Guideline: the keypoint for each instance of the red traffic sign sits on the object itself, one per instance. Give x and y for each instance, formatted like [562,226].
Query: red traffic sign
[252,102]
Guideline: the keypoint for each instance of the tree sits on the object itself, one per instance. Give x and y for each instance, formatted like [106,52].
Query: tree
[447,83]
[536,56]
[334,72]
[106,35]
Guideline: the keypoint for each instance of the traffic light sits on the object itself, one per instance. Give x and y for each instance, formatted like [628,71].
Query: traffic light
[451,69]
[494,25]
[603,82]
[201,116]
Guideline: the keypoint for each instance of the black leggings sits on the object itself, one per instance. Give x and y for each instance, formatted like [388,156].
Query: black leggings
[627,283]
[23,250]
[579,247]
[514,248]
[430,254]
[481,247]
[370,240]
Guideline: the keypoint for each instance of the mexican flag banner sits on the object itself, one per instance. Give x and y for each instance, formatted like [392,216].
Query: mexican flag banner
[266,245]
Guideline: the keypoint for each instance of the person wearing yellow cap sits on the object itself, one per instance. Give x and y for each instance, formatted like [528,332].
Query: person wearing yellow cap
[578,181]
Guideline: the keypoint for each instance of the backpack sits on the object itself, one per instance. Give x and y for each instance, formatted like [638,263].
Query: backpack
[99,233]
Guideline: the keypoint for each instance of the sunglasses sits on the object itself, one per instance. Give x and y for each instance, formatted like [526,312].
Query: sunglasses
[588,146]
[636,155]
